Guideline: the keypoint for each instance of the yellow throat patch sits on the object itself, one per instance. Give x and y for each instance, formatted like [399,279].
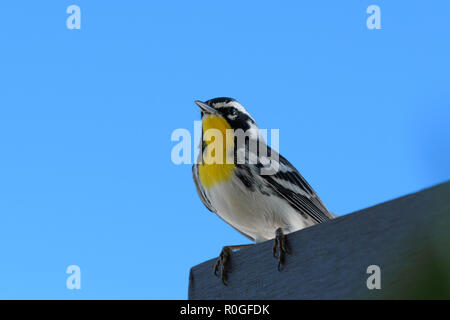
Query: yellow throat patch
[215,168]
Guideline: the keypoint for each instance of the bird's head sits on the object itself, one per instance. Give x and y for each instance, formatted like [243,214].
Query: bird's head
[228,112]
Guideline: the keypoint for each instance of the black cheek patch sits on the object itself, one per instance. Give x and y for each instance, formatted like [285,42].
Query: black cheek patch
[241,122]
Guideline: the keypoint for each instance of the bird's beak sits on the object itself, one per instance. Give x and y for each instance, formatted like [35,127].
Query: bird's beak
[205,108]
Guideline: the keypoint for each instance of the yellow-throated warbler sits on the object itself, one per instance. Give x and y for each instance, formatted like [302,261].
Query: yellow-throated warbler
[259,206]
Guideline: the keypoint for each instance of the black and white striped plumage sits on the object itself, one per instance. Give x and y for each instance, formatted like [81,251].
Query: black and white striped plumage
[254,204]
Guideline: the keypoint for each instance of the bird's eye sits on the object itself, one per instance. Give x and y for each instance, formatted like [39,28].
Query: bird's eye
[232,115]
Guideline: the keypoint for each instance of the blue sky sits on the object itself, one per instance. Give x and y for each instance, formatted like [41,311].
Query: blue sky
[86,117]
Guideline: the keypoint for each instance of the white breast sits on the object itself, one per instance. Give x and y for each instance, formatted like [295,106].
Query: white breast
[254,213]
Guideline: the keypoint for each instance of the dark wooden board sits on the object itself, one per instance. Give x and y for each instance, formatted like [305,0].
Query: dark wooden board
[330,260]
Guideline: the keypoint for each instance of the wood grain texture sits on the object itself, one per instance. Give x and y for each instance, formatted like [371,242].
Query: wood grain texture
[329,261]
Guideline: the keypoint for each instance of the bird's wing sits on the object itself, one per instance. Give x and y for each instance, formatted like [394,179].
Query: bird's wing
[289,184]
[200,190]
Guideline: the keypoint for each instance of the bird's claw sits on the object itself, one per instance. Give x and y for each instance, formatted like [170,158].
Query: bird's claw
[222,264]
[281,244]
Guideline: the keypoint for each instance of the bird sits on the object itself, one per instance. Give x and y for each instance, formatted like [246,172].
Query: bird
[230,182]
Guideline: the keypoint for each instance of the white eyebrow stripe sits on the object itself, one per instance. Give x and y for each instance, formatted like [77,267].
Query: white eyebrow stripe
[234,104]
[238,106]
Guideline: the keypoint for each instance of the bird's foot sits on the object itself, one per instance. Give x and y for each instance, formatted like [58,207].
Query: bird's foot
[222,264]
[281,245]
